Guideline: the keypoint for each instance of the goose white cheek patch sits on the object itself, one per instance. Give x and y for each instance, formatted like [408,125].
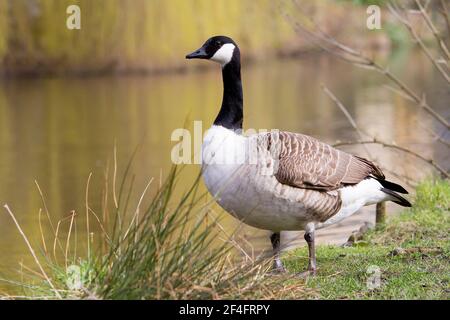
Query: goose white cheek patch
[224,54]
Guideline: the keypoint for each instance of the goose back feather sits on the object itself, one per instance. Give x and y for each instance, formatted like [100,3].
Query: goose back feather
[305,162]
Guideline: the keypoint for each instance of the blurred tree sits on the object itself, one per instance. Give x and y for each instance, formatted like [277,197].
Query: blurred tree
[124,35]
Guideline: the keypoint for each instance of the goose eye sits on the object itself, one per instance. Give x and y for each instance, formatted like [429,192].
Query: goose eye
[218,43]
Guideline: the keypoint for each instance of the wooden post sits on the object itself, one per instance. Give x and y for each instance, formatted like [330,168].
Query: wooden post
[381,213]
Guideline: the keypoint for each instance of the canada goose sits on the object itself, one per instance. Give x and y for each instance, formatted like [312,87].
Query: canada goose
[281,180]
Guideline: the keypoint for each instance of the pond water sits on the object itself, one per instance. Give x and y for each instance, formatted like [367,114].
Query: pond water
[56,131]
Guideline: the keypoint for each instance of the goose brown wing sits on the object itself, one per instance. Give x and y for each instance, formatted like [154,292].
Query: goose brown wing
[305,162]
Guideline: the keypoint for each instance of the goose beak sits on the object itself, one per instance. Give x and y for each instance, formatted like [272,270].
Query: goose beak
[198,54]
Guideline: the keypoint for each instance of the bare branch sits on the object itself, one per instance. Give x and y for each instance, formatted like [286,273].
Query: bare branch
[345,111]
[399,92]
[444,12]
[336,48]
[421,102]
[431,162]
[374,140]
[405,21]
[434,30]
[348,116]
[435,136]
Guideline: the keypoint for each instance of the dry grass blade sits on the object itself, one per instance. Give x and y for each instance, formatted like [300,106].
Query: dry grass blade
[48,214]
[101,224]
[135,219]
[32,251]
[42,231]
[68,237]
[56,240]
[87,216]
[114,178]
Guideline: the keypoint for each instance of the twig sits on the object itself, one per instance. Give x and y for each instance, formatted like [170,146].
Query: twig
[418,40]
[436,136]
[444,173]
[444,12]
[344,110]
[32,251]
[398,91]
[433,29]
[359,131]
[331,45]
[348,116]
[380,207]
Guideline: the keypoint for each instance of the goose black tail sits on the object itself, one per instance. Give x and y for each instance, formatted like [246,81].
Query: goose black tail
[392,186]
[396,197]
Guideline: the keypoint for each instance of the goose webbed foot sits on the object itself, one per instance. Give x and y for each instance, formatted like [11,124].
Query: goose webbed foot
[307,274]
[278,266]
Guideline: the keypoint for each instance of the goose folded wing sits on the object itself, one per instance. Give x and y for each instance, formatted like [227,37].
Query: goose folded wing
[305,162]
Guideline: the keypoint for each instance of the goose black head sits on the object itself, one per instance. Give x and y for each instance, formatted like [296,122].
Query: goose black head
[220,49]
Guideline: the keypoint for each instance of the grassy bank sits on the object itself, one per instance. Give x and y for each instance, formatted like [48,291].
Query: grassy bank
[176,248]
[411,252]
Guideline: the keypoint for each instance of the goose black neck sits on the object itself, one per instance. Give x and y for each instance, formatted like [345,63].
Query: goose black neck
[231,113]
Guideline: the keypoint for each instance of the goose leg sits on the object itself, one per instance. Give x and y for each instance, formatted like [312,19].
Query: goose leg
[309,237]
[277,264]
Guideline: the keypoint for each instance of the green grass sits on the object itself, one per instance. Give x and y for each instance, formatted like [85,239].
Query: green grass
[412,252]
